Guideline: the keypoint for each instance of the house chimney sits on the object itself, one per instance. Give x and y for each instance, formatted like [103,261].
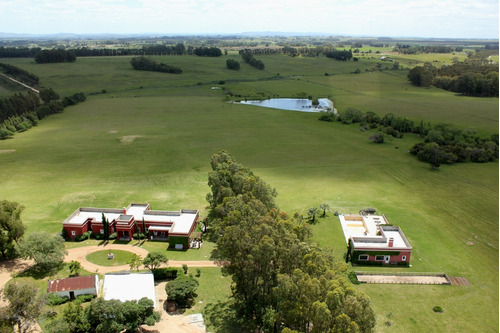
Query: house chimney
[124,210]
[391,242]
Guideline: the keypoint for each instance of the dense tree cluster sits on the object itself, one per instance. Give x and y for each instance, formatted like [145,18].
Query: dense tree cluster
[443,144]
[207,51]
[18,113]
[343,55]
[24,307]
[281,279]
[469,78]
[446,145]
[20,74]
[148,64]
[248,58]
[17,105]
[11,227]
[102,316]
[232,64]
[53,56]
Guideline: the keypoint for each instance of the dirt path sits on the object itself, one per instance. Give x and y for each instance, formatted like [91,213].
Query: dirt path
[18,82]
[168,323]
[10,266]
[80,253]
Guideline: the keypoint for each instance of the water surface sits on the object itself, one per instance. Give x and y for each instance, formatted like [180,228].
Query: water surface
[293,104]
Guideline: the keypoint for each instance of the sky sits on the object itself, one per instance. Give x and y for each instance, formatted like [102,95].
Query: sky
[391,18]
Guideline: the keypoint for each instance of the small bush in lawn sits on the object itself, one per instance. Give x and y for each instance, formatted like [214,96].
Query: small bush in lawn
[437,309]
[377,138]
[185,268]
[198,272]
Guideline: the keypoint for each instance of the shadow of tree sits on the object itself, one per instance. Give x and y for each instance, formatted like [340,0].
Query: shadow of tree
[39,272]
[222,317]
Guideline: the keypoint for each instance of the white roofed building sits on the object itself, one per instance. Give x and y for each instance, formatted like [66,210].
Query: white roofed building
[372,241]
[176,227]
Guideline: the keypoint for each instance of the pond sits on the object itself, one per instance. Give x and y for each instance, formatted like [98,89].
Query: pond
[293,104]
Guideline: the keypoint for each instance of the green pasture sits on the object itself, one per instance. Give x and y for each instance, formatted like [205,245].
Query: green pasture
[154,145]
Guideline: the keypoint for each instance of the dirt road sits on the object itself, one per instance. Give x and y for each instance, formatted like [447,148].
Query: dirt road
[80,253]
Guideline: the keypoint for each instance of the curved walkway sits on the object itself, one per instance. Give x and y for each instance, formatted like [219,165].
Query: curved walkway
[79,254]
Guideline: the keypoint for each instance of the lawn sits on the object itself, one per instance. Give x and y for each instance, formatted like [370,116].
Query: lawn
[116,148]
[101,257]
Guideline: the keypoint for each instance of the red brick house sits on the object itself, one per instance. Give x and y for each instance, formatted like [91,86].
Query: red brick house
[176,227]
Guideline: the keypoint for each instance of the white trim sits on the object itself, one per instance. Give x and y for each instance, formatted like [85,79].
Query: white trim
[403,258]
[363,255]
[380,258]
[73,233]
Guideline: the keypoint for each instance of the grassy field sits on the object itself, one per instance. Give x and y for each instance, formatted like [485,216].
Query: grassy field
[154,145]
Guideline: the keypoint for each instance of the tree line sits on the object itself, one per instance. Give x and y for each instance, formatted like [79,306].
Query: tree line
[248,58]
[59,55]
[470,78]
[282,281]
[20,112]
[442,144]
[414,49]
[148,64]
[20,74]
[54,56]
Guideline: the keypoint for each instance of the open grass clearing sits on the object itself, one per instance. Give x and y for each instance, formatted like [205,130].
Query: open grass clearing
[101,257]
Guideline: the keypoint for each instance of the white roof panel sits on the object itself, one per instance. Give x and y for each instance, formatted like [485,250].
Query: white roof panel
[129,287]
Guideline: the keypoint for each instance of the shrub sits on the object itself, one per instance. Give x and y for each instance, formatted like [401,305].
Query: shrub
[353,278]
[185,268]
[84,298]
[113,235]
[377,138]
[437,308]
[54,299]
[139,235]
[327,116]
[83,236]
[165,273]
[182,290]
[232,64]
[99,236]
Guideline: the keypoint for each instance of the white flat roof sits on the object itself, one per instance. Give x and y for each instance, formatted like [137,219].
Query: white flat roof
[129,287]
[82,216]
[182,220]
[181,223]
[159,228]
[355,228]
[369,231]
